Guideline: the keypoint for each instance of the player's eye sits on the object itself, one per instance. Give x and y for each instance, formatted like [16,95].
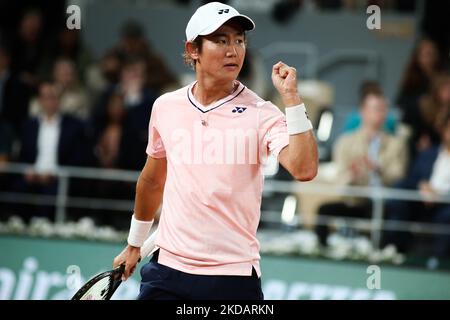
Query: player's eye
[221,41]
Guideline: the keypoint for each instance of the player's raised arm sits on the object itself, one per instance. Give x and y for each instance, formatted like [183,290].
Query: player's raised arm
[300,157]
[149,192]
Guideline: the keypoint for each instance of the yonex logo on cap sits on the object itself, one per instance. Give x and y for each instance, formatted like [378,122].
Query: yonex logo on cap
[223,11]
[238,109]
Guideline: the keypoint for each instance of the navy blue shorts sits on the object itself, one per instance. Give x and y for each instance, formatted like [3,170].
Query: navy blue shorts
[160,282]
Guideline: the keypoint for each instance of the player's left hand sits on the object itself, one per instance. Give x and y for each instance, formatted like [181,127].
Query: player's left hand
[284,79]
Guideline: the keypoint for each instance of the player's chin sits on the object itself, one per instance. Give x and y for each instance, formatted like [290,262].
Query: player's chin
[228,76]
[230,73]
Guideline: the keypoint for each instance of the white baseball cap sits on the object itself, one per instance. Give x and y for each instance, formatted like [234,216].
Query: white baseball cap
[209,17]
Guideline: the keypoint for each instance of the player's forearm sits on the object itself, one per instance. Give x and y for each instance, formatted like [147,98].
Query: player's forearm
[302,151]
[303,156]
[149,195]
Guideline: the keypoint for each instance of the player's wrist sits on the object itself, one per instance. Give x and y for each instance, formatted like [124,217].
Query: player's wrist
[297,119]
[139,231]
[291,99]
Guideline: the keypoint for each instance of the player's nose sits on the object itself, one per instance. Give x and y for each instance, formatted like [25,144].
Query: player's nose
[232,51]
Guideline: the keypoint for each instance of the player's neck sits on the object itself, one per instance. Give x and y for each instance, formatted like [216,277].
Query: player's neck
[207,91]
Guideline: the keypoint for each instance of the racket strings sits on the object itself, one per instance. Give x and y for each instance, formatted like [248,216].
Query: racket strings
[101,287]
[99,290]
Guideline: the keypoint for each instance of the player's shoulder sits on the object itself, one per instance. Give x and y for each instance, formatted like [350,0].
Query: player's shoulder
[170,97]
[253,99]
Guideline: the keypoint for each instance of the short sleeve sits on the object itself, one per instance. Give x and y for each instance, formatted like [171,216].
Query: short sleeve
[273,125]
[155,146]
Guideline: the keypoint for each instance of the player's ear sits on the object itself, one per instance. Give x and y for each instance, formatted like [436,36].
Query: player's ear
[192,50]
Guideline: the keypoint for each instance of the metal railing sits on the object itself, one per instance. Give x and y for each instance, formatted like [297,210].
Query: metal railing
[61,200]
[378,195]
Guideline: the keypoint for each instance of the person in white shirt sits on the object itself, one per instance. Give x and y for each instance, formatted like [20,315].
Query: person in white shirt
[49,141]
[430,174]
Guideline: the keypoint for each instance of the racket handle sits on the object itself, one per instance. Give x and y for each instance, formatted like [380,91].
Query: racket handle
[148,245]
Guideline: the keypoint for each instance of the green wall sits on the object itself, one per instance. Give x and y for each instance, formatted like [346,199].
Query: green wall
[33,268]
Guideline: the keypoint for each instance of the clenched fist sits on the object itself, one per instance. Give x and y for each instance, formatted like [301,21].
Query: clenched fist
[284,79]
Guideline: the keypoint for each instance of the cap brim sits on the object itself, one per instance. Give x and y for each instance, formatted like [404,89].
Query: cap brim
[246,23]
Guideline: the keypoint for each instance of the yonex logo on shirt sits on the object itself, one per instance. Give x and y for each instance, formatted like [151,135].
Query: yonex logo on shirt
[238,109]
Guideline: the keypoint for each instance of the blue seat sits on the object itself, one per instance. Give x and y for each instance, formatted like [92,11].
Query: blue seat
[353,121]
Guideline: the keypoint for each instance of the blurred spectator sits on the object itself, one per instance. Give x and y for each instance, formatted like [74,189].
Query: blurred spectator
[28,47]
[430,174]
[366,157]
[108,146]
[69,46]
[14,95]
[109,138]
[434,108]
[134,44]
[424,65]
[138,100]
[283,11]
[436,25]
[353,120]
[6,141]
[103,75]
[51,140]
[74,99]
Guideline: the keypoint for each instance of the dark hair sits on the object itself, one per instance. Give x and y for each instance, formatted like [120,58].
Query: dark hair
[447,119]
[374,94]
[414,76]
[369,87]
[131,29]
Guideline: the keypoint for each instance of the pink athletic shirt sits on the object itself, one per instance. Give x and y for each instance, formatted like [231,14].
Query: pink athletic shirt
[212,196]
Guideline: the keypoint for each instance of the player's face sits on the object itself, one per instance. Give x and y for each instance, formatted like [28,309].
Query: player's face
[223,52]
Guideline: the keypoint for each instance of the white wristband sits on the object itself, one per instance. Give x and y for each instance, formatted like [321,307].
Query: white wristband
[297,119]
[138,231]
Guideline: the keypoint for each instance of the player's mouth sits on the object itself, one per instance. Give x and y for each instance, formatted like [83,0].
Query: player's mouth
[231,66]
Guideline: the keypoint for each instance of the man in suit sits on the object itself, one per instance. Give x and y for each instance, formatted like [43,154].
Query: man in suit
[51,140]
[366,157]
[430,174]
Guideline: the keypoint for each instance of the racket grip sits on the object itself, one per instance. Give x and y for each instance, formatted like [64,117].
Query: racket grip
[148,245]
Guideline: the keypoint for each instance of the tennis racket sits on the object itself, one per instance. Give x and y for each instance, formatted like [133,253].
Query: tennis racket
[103,285]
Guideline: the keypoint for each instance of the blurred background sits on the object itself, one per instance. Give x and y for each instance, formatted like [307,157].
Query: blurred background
[74,112]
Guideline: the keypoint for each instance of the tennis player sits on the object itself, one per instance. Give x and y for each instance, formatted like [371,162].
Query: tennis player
[206,150]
